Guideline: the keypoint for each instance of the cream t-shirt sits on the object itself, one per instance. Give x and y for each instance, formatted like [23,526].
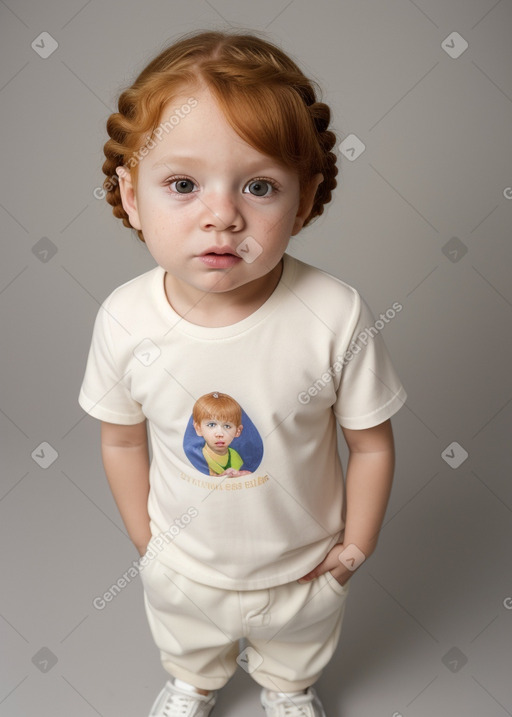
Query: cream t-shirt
[310,355]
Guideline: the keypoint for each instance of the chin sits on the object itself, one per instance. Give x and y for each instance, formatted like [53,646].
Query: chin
[221,285]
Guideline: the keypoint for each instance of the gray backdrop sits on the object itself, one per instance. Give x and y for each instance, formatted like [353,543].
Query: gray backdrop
[421,217]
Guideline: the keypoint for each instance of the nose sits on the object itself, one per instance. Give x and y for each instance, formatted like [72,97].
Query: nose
[220,212]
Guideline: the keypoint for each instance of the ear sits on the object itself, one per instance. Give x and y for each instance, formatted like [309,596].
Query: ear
[128,197]
[197,427]
[306,203]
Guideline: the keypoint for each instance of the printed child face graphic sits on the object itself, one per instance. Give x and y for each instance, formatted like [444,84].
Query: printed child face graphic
[217,434]
[201,192]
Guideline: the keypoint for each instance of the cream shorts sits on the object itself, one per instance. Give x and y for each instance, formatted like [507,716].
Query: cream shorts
[291,630]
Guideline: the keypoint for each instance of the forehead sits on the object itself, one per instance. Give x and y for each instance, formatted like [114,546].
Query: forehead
[192,129]
[191,121]
[212,419]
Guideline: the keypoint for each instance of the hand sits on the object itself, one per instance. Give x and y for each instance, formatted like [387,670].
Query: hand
[233,473]
[331,563]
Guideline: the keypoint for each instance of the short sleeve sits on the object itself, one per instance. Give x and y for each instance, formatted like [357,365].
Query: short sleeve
[104,394]
[369,391]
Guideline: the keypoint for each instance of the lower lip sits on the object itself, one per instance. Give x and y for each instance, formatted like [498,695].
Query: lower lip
[220,261]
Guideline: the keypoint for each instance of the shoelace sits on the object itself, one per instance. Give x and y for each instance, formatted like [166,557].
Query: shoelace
[176,705]
[294,710]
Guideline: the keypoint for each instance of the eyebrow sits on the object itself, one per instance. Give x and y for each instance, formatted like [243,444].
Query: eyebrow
[264,162]
[178,158]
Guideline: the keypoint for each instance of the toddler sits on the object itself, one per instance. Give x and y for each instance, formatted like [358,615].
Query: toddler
[219,154]
[218,419]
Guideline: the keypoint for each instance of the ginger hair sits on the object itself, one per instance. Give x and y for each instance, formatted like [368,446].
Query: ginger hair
[219,406]
[262,93]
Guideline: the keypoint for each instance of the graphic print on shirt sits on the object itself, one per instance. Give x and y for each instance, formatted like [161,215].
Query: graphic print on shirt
[221,439]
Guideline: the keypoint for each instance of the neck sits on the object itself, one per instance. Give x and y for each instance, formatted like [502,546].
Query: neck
[225,308]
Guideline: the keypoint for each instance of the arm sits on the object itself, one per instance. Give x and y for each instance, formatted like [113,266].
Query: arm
[125,454]
[368,482]
[370,469]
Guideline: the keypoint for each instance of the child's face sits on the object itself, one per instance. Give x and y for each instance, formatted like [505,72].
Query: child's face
[193,225]
[217,434]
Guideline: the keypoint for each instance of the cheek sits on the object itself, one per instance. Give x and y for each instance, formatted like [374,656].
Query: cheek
[155,210]
[159,229]
[276,229]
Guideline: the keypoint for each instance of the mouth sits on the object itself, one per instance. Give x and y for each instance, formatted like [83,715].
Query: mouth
[220,250]
[223,257]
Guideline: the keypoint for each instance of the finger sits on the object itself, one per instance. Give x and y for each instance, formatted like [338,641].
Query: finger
[328,563]
[314,573]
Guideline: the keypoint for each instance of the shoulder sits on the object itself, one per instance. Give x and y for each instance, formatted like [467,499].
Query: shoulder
[130,304]
[125,314]
[311,278]
[325,294]
[134,290]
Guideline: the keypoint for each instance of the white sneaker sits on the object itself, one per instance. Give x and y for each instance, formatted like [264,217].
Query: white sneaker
[175,702]
[306,705]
